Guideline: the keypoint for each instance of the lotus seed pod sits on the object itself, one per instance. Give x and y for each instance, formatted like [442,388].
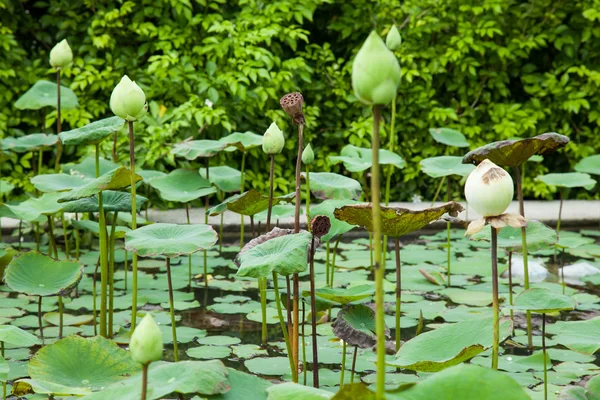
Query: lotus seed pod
[273,140]
[375,72]
[292,105]
[128,100]
[61,55]
[146,344]
[308,155]
[320,225]
[489,189]
[393,40]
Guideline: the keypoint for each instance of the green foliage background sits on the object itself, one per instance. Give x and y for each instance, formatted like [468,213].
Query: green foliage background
[493,69]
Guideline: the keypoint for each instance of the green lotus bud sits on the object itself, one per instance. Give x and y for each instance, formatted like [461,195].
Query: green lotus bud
[273,140]
[375,72]
[146,344]
[393,40]
[61,55]
[308,155]
[128,100]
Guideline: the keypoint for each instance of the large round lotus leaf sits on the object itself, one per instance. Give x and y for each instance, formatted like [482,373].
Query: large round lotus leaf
[295,391]
[539,236]
[355,325]
[244,386]
[346,295]
[112,201]
[512,153]
[116,179]
[17,336]
[327,208]
[170,240]
[437,167]
[275,366]
[327,185]
[279,211]
[449,137]
[38,275]
[44,94]
[580,336]
[57,182]
[449,345]
[572,240]
[182,185]
[32,209]
[43,387]
[287,254]
[395,221]
[148,174]
[464,382]
[357,159]
[53,318]
[248,203]
[225,178]
[542,300]
[242,141]
[568,180]
[203,377]
[590,165]
[92,133]
[87,167]
[198,148]
[76,362]
[32,142]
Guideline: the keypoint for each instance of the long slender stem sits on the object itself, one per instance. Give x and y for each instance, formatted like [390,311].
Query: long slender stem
[134,262]
[76,234]
[125,268]
[144,380]
[103,253]
[544,352]
[562,270]
[343,366]
[262,285]
[448,247]
[495,304]
[111,272]
[327,256]
[333,256]
[353,364]
[510,288]
[307,197]
[221,196]
[206,207]
[438,190]
[59,146]
[172,311]
[60,317]
[313,312]
[398,290]
[560,208]
[40,319]
[284,329]
[4,382]
[53,248]
[304,362]
[95,296]
[65,236]
[242,191]
[187,216]
[271,173]
[40,161]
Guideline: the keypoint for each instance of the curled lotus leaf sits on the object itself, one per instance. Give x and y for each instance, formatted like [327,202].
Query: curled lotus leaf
[193,149]
[355,325]
[116,179]
[395,221]
[92,133]
[113,201]
[32,209]
[170,240]
[512,153]
[241,140]
[248,203]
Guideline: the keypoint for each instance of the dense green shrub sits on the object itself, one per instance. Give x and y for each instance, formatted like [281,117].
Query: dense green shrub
[493,69]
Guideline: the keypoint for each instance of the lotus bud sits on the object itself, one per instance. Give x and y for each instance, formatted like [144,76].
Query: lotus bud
[128,100]
[61,55]
[292,105]
[273,140]
[393,40]
[146,344]
[375,72]
[308,155]
[489,189]
[320,225]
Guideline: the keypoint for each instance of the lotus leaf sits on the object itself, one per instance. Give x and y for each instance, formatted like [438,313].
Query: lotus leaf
[225,178]
[170,240]
[589,165]
[437,167]
[181,185]
[568,180]
[449,137]
[44,94]
[542,300]
[92,133]
[57,182]
[358,159]
[193,149]
[116,179]
[327,185]
[33,142]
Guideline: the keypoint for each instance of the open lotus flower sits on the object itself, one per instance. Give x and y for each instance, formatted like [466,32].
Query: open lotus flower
[489,190]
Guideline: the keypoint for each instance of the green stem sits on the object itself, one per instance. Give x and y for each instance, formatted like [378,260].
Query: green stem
[307,197]
[126,267]
[59,146]
[242,191]
[134,263]
[66,237]
[353,364]
[343,366]
[4,382]
[111,273]
[438,190]
[206,207]
[103,253]
[53,247]
[95,296]
[60,317]
[448,247]
[284,328]
[144,380]
[562,270]
[221,196]
[327,253]
[510,288]
[313,315]
[560,207]
[389,171]
[187,215]
[271,177]
[40,161]
[304,362]
[335,248]
[495,303]
[172,311]
[398,290]
[76,234]
[262,285]
[40,319]
[545,356]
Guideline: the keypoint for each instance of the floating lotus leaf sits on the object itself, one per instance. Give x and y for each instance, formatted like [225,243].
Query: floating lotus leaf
[24,386]
[589,165]
[112,201]
[44,94]
[57,182]
[242,141]
[572,240]
[182,185]
[449,137]
[53,318]
[286,254]
[32,209]
[225,178]
[327,185]
[244,386]
[542,300]
[203,377]
[395,221]
[568,180]
[355,325]
[248,203]
[357,159]
[170,240]
[193,149]
[17,336]
[94,227]
[345,295]
[464,382]
[38,275]
[87,167]
[327,208]
[33,142]
[92,133]
[148,174]
[580,336]
[539,236]
[75,362]
[449,345]
[512,153]
[295,391]
[437,167]
[116,179]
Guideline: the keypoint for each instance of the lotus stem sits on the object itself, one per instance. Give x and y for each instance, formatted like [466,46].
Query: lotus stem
[438,190]
[40,161]
[295,325]
[307,196]
[242,191]
[262,285]
[398,290]
[172,311]
[389,171]
[94,296]
[21,235]
[252,226]
[379,271]
[187,215]
[66,237]
[103,252]
[271,173]
[60,317]
[59,146]
[519,174]
[288,307]
[4,382]
[111,273]
[125,267]
[304,363]
[221,197]
[114,151]
[560,208]
[544,352]
[40,319]
[76,234]
[313,312]
[52,248]
[206,206]
[449,248]
[335,248]
[343,365]
[144,380]
[134,264]
[327,252]
[495,304]
[562,270]
[284,328]
[510,288]
[353,364]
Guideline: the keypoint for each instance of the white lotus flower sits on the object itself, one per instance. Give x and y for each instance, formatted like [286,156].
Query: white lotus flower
[128,100]
[489,189]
